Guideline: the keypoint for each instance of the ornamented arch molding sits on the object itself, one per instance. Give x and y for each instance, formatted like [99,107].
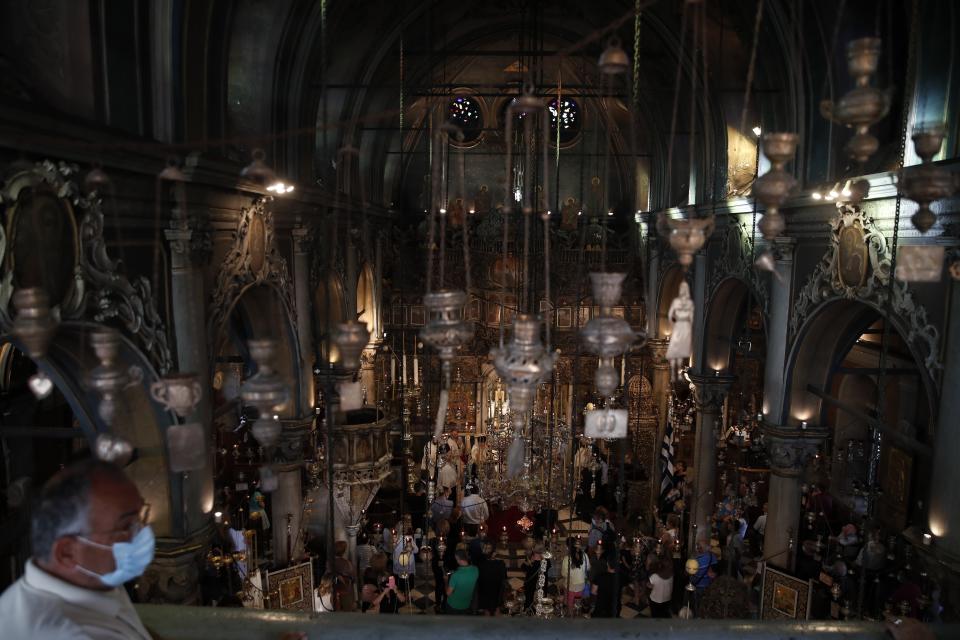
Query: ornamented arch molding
[100,291]
[736,262]
[252,260]
[825,284]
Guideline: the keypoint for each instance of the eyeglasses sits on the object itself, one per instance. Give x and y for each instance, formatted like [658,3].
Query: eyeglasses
[130,531]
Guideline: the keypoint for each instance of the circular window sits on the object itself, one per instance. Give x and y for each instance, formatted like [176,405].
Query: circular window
[565,118]
[464,111]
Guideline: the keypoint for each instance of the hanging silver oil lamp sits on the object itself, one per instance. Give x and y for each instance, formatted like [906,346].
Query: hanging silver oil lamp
[862,106]
[772,188]
[926,182]
[351,339]
[606,336]
[524,362]
[34,324]
[446,329]
[110,377]
[265,391]
[178,392]
[687,236]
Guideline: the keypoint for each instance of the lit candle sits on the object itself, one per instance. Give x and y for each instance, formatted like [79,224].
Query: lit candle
[416,369]
[404,370]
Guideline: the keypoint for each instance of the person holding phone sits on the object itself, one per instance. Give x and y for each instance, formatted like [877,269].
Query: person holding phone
[390,599]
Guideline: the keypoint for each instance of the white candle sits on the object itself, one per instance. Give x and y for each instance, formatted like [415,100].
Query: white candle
[623,369]
[393,370]
[404,371]
[416,370]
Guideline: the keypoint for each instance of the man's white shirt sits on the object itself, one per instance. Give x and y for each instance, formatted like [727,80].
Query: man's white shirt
[39,606]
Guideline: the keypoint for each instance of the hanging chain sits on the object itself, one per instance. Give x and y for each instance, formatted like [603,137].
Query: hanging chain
[752,67]
[877,436]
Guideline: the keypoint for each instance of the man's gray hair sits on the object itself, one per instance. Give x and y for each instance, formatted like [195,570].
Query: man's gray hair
[64,504]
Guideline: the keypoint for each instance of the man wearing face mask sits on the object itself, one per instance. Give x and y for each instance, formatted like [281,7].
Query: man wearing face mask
[90,535]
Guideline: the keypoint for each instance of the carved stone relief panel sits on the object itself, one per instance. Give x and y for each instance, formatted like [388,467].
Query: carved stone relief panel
[856,266]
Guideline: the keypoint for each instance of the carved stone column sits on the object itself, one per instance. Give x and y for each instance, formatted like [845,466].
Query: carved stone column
[709,394]
[661,400]
[774,391]
[190,329]
[301,288]
[944,516]
[174,575]
[699,294]
[653,284]
[789,449]
[286,501]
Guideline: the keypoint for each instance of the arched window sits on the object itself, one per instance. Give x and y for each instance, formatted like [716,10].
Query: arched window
[464,111]
[567,118]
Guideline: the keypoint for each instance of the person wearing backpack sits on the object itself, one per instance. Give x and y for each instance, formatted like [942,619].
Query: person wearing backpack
[601,530]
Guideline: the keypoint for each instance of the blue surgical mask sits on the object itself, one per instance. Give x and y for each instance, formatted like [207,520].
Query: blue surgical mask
[131,558]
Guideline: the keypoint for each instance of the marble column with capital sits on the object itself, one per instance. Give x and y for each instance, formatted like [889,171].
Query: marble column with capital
[301,290]
[699,294]
[190,329]
[710,392]
[789,449]
[781,299]
[944,515]
[653,287]
[286,501]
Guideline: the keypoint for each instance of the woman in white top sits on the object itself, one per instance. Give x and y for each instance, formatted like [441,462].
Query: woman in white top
[661,589]
[323,595]
[573,574]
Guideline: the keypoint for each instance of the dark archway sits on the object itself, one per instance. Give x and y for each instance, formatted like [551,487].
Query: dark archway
[834,379]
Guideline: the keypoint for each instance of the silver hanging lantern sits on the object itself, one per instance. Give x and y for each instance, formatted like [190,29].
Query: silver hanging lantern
[446,329]
[34,324]
[606,336]
[110,377]
[177,392]
[687,236]
[863,105]
[772,188]
[351,339]
[265,390]
[523,363]
[926,182]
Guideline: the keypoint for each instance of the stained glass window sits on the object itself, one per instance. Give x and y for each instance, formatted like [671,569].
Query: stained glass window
[567,117]
[464,111]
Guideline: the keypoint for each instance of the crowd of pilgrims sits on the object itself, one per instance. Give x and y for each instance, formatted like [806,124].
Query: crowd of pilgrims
[444,544]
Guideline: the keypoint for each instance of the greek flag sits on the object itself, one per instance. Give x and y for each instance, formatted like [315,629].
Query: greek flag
[666,459]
